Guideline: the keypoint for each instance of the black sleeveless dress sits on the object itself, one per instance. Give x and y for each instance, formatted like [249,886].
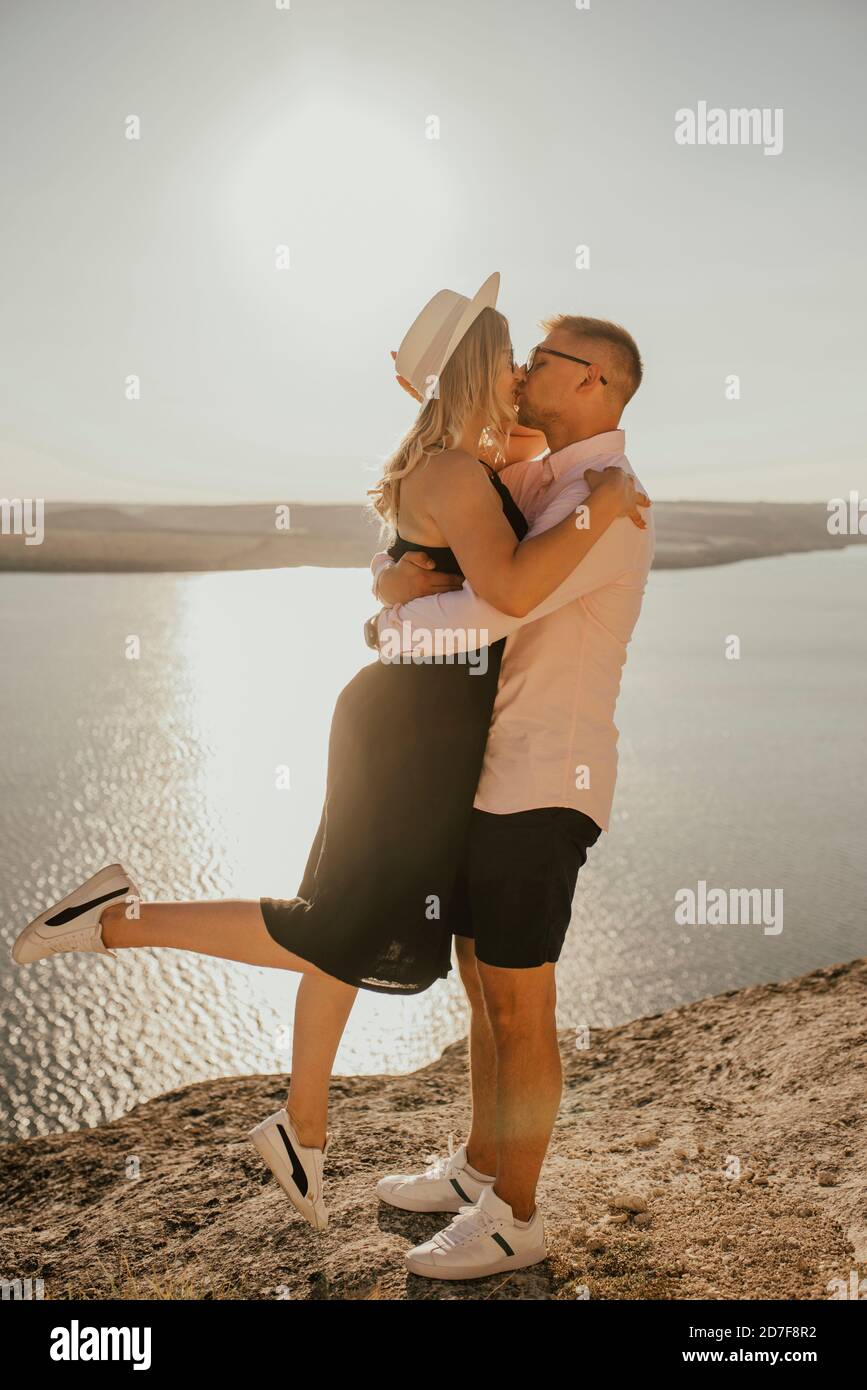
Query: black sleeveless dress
[404,758]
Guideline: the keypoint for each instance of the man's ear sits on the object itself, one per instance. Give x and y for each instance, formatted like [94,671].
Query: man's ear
[592,377]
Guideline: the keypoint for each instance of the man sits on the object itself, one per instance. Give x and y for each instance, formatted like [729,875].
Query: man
[544,797]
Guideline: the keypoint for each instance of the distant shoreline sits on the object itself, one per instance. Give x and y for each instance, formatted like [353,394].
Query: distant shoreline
[83,538]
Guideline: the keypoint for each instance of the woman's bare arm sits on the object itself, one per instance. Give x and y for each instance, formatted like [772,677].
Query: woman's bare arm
[516,577]
[520,445]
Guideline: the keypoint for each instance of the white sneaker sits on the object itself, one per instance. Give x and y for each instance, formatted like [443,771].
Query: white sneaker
[297,1168]
[444,1186]
[73,924]
[483,1239]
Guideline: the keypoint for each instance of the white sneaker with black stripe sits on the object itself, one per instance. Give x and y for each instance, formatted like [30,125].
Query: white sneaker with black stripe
[483,1239]
[73,924]
[445,1186]
[297,1167]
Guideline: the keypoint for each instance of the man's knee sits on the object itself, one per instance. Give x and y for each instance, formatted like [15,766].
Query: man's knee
[518,1001]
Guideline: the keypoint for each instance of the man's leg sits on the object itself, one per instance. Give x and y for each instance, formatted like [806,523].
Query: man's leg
[481,1143]
[521,1007]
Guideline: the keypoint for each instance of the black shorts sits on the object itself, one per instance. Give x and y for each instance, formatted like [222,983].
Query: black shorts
[515,885]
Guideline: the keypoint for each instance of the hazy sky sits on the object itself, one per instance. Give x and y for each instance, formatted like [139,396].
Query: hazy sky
[307,127]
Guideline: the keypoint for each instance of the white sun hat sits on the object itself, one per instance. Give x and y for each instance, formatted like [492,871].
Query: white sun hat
[436,332]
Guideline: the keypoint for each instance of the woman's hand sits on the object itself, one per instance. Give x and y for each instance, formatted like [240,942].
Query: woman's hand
[622,486]
[402,381]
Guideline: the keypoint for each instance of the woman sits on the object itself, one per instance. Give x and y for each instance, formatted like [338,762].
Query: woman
[364,917]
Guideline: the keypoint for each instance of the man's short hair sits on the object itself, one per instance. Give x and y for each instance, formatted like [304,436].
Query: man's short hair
[626,368]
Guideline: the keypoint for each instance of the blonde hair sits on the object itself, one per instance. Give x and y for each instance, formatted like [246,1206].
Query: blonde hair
[466,387]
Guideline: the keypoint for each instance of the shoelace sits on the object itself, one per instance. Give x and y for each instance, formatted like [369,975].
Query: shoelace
[440,1168]
[470,1222]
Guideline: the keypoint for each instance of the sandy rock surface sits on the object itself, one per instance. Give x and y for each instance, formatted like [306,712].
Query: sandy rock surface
[713,1151]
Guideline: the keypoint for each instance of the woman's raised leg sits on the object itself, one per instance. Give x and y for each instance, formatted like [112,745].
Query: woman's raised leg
[230,928]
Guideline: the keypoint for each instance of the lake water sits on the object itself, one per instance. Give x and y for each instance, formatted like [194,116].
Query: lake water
[746,773]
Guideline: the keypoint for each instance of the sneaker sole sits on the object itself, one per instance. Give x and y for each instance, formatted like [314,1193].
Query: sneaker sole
[508,1262]
[275,1159]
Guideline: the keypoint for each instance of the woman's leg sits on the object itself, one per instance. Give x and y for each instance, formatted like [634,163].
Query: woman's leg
[234,929]
[231,928]
[322,1007]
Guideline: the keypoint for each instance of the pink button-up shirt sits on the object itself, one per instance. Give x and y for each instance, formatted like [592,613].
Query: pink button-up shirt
[553,740]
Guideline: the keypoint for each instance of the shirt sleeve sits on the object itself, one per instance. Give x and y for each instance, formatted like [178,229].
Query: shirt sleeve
[466,622]
[380,561]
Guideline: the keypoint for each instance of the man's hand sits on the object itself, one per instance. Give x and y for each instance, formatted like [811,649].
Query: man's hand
[412,577]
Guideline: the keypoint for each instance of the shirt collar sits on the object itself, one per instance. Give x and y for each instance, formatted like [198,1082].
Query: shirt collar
[585,451]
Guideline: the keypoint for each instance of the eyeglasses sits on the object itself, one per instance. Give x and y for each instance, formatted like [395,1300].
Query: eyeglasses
[569,358]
